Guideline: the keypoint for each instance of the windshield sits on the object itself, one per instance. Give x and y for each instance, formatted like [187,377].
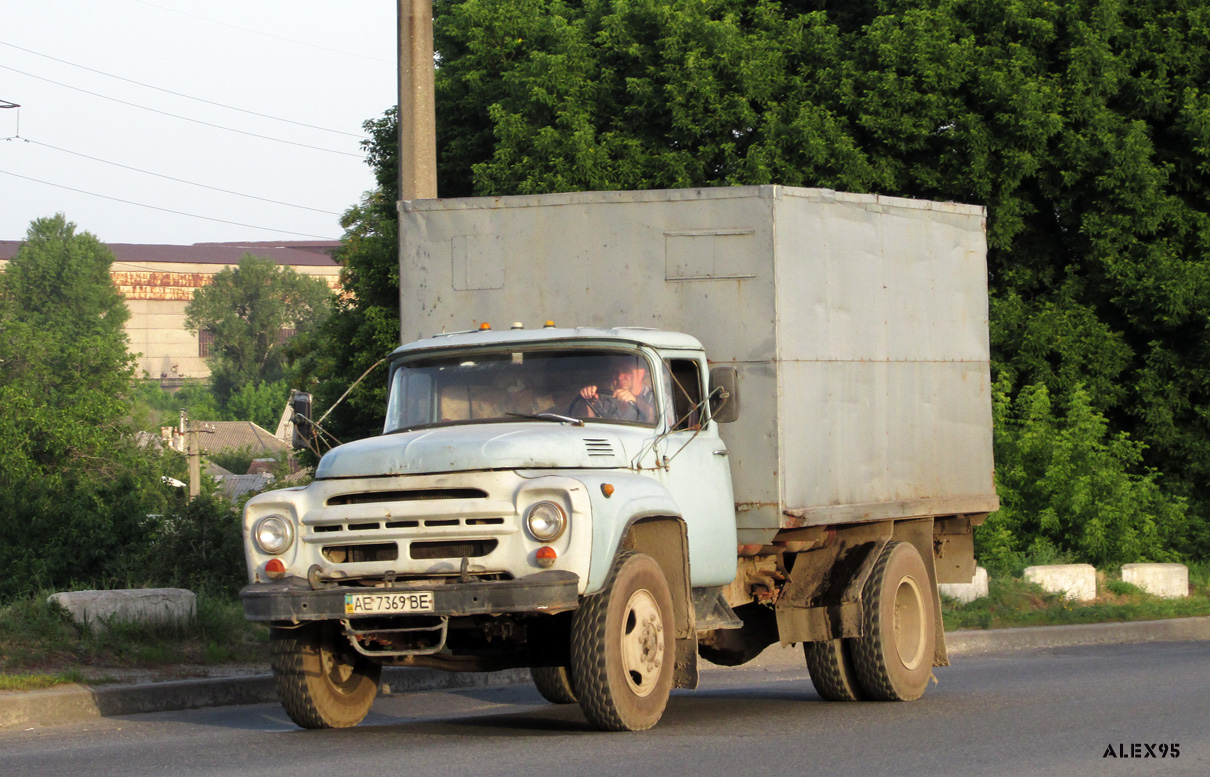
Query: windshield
[485,386]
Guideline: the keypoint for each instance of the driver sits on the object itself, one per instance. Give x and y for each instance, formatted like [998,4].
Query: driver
[629,396]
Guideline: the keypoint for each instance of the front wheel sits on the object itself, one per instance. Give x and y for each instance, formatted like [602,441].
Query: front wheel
[894,654]
[554,683]
[323,682]
[623,647]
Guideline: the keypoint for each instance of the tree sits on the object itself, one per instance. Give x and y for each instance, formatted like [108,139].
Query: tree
[1083,126]
[364,325]
[74,487]
[248,309]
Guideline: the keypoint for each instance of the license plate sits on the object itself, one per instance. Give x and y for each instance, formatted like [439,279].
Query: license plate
[388,604]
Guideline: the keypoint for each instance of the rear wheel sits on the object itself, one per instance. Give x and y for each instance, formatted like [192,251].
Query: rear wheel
[323,682]
[832,673]
[894,655]
[623,647]
[554,683]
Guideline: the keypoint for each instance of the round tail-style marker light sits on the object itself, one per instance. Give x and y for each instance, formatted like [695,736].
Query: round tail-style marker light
[549,325]
[518,325]
[607,489]
[484,327]
[546,556]
[275,569]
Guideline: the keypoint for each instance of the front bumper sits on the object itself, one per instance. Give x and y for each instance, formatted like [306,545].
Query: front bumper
[293,599]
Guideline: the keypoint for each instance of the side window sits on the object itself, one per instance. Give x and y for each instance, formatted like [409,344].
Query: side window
[686,394]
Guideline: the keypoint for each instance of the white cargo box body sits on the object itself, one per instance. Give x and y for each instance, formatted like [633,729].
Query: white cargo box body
[858,324]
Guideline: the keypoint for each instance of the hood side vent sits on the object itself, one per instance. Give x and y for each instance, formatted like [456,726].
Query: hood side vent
[598,446]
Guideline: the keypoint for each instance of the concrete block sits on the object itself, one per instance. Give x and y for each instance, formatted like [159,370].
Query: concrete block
[967,592]
[1170,581]
[135,605]
[1074,581]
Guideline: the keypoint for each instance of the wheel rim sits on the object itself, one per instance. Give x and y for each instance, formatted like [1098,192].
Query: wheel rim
[642,642]
[909,627]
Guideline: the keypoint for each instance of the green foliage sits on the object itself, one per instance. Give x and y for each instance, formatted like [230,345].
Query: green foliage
[1083,125]
[259,402]
[153,407]
[198,545]
[1122,588]
[1070,488]
[364,325]
[75,489]
[246,308]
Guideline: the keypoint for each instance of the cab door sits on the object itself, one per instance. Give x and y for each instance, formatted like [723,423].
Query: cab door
[697,472]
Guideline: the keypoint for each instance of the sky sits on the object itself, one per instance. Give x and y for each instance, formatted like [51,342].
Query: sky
[153,102]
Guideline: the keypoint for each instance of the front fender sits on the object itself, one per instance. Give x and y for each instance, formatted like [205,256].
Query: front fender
[634,497]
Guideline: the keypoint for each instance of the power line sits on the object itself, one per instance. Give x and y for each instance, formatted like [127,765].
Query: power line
[177,116]
[265,34]
[165,210]
[180,94]
[171,178]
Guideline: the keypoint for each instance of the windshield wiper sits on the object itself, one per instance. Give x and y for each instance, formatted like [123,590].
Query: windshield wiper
[563,419]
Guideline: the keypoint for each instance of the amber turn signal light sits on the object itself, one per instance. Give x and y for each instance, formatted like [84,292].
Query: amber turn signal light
[546,556]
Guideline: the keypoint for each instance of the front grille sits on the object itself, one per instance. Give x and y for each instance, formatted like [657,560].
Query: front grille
[414,495]
[425,551]
[364,526]
[411,524]
[357,554]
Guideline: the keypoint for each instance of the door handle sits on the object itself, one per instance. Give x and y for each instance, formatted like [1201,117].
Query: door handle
[723,452]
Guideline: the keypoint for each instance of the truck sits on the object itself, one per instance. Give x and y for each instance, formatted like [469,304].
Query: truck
[632,430]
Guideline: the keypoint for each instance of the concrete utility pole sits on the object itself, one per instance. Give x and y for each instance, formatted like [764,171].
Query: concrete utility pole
[417,106]
[193,452]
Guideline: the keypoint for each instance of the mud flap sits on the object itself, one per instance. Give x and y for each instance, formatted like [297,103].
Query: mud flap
[684,673]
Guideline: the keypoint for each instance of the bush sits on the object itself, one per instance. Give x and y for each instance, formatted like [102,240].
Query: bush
[1069,491]
[198,545]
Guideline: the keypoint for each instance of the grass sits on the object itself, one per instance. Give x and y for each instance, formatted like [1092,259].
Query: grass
[1011,603]
[41,646]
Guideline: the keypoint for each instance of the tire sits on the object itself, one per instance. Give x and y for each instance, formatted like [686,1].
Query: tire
[832,672]
[623,647]
[554,683]
[894,655]
[323,682]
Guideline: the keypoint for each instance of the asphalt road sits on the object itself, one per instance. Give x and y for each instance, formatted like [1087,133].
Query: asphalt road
[1038,712]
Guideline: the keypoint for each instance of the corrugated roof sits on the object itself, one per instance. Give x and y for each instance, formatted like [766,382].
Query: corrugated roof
[238,435]
[300,254]
[237,485]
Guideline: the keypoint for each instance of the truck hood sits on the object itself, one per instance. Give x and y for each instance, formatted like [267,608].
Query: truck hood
[539,445]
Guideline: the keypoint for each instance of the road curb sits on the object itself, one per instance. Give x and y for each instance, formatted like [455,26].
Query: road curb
[76,703]
[965,643]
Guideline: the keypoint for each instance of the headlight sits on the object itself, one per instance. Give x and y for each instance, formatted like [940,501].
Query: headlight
[546,521]
[273,534]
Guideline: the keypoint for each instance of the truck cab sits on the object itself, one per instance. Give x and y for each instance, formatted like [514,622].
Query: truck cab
[518,473]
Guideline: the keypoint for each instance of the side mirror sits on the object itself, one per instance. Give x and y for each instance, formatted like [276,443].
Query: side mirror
[300,403]
[724,394]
